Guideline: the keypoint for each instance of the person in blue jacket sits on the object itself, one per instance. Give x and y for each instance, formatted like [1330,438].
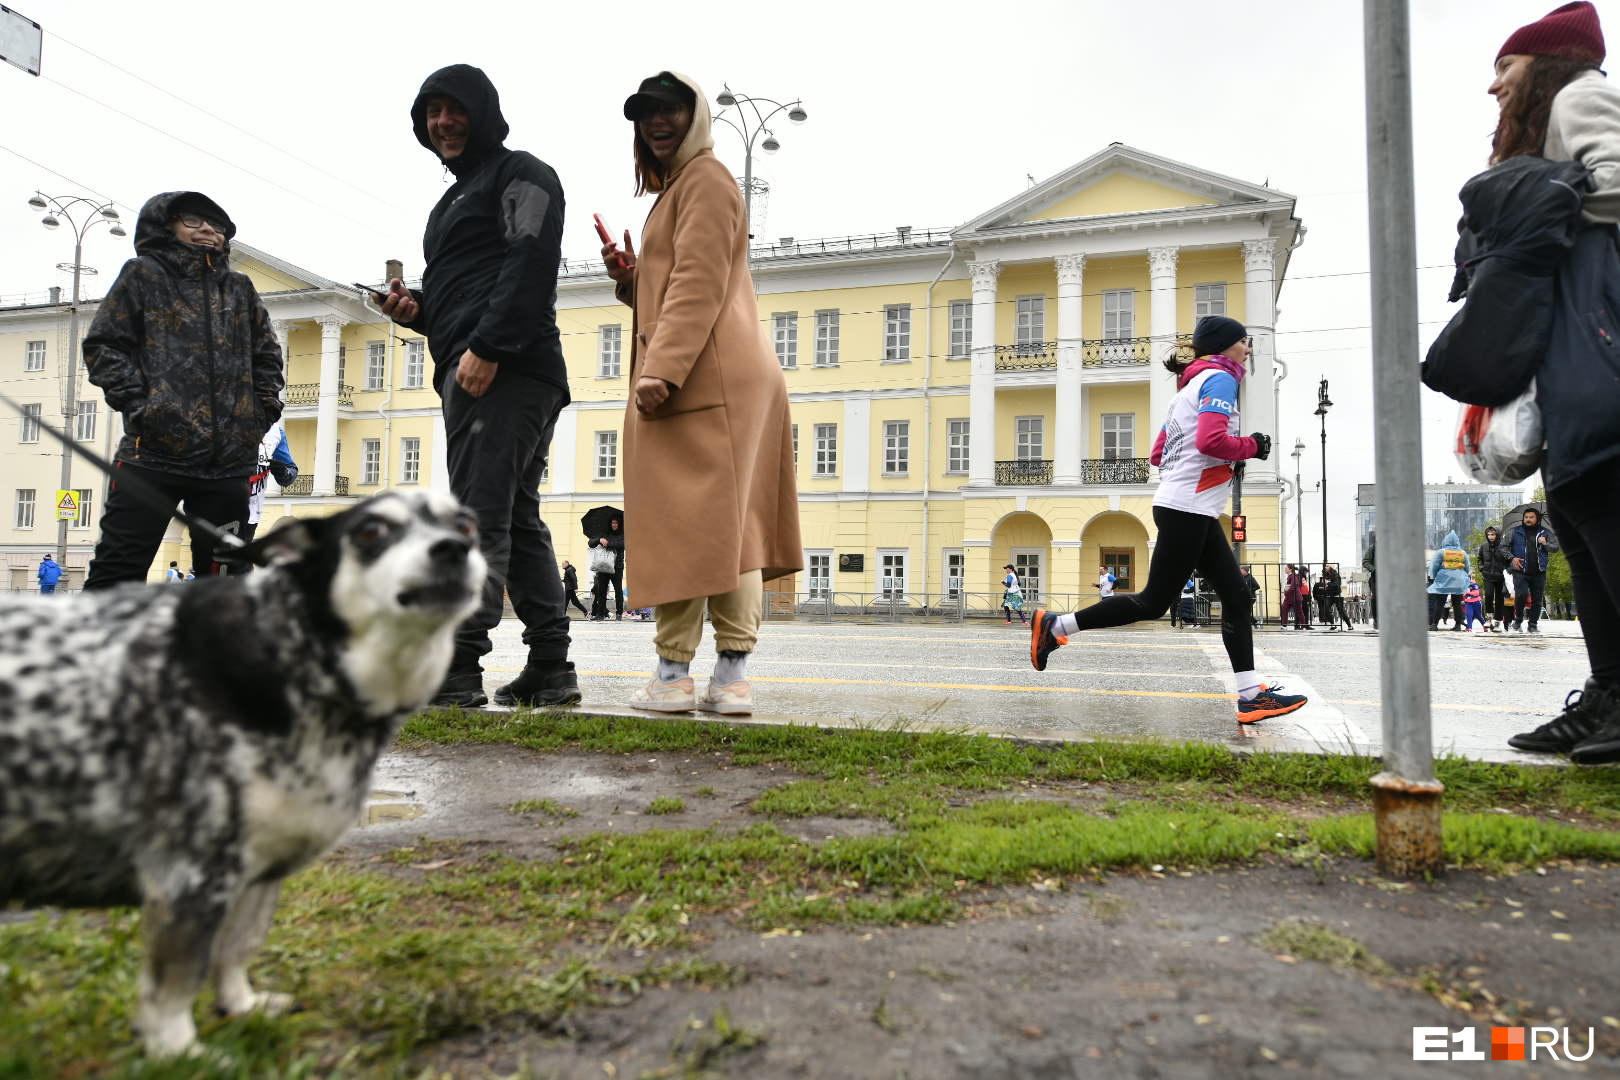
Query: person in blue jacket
[1530,542]
[1450,570]
[50,572]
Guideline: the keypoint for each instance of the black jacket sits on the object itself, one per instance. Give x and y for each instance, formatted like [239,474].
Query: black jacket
[492,245]
[1578,386]
[183,348]
[570,579]
[615,543]
[1491,560]
[1520,221]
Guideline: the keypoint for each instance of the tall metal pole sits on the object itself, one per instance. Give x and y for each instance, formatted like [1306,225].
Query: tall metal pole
[1406,795]
[69,400]
[1299,505]
[1322,412]
[748,188]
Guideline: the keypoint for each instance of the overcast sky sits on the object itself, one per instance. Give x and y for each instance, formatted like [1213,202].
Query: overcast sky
[922,114]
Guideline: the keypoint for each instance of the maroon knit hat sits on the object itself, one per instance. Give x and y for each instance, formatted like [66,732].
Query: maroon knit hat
[1572,30]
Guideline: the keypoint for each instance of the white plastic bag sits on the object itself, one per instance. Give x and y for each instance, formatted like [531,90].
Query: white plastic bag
[1501,445]
[601,561]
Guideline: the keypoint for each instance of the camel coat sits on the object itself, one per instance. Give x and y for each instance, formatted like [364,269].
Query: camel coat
[709,485]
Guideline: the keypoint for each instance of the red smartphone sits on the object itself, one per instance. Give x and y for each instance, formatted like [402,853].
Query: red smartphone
[602,229]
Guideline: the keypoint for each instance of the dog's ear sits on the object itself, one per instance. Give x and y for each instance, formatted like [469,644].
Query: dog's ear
[288,542]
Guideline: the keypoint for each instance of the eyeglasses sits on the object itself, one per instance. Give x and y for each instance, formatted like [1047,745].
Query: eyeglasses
[193,221]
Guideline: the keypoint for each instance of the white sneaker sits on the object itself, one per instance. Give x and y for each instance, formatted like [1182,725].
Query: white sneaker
[669,697]
[732,699]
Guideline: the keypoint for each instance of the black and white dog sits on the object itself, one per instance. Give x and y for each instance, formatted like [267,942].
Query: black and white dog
[186,747]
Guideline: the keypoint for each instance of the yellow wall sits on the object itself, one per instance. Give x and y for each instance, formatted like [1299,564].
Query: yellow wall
[1203,267]
[1120,193]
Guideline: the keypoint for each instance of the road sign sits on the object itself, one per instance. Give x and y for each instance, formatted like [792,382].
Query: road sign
[1240,528]
[20,40]
[67,504]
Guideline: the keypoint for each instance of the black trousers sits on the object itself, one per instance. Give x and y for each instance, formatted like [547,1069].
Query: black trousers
[1495,597]
[497,446]
[1372,594]
[1437,607]
[1587,511]
[1336,605]
[1187,544]
[599,589]
[132,527]
[1527,599]
[573,600]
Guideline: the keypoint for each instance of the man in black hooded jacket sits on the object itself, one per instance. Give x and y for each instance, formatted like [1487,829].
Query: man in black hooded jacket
[183,348]
[488,308]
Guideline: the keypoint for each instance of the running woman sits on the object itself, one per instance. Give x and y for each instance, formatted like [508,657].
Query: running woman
[1194,453]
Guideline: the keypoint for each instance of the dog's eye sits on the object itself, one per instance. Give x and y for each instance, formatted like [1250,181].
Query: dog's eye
[466,525]
[372,531]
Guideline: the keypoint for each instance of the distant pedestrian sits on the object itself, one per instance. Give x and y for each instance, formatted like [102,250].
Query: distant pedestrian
[1491,560]
[1473,608]
[1449,572]
[50,572]
[1369,563]
[173,574]
[613,574]
[570,578]
[1185,609]
[1105,582]
[1336,609]
[1529,543]
[1291,599]
[1322,594]
[1012,596]
[1254,595]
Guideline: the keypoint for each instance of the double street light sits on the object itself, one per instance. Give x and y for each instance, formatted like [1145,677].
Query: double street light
[56,210]
[739,123]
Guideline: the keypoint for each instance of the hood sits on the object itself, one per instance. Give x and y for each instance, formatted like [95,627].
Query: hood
[152,232]
[472,88]
[699,137]
[1216,362]
[1451,540]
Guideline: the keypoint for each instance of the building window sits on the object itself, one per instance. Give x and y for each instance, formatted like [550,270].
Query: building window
[819,574]
[956,446]
[34,358]
[25,508]
[1031,320]
[370,461]
[896,447]
[82,519]
[827,338]
[415,364]
[343,363]
[410,460]
[609,349]
[1031,444]
[30,423]
[607,455]
[376,361]
[961,329]
[892,574]
[1119,314]
[1119,561]
[1027,564]
[955,563]
[84,421]
[1209,299]
[795,432]
[896,332]
[1118,435]
[826,449]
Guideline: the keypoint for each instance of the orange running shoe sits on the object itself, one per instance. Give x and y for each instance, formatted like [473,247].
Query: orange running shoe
[1043,639]
[1267,703]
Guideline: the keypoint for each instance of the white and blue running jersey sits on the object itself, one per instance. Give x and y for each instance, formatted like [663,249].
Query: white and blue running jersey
[1188,479]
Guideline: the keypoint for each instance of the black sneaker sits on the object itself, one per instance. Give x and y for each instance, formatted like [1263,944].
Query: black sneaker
[461,690]
[1602,746]
[538,687]
[1569,729]
[1269,702]
[1043,640]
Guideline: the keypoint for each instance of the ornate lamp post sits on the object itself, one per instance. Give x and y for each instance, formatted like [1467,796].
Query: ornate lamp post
[57,209]
[1322,406]
[739,123]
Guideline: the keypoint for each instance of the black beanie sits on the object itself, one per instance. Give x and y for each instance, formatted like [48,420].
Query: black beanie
[1216,333]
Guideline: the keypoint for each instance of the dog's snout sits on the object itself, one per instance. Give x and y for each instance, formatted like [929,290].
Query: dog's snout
[450,552]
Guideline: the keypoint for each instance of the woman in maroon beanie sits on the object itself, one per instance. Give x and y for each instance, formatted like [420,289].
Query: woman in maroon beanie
[1556,103]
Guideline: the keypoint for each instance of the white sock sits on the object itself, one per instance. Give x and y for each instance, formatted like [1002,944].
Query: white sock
[1066,625]
[1248,685]
[730,667]
[670,670]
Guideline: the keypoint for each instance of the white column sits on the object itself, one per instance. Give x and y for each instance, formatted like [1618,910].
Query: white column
[440,470]
[326,420]
[1162,320]
[855,453]
[283,332]
[982,383]
[1070,420]
[1258,404]
[564,452]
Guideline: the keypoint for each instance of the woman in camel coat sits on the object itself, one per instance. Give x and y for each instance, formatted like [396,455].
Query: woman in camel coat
[709,479]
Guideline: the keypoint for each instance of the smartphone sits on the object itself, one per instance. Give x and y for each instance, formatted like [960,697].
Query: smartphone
[602,230]
[378,298]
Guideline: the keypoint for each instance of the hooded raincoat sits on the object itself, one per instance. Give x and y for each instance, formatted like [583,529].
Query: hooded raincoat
[1451,568]
[708,475]
[183,348]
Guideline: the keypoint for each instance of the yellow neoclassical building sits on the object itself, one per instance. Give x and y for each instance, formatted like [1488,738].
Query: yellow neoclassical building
[962,399]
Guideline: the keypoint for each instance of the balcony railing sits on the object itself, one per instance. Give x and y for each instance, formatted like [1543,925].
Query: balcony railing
[1112,352]
[1130,470]
[309,393]
[304,484]
[1022,471]
[1026,356]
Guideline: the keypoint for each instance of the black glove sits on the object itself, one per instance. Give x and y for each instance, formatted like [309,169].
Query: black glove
[1262,445]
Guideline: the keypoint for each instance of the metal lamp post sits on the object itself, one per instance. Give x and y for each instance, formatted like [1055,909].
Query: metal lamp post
[1299,504]
[1322,406]
[56,209]
[728,99]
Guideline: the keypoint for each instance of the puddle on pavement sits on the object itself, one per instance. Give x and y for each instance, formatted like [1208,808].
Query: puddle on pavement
[386,806]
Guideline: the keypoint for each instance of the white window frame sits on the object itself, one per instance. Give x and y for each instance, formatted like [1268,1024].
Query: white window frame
[415,364]
[84,421]
[826,450]
[961,316]
[896,333]
[609,350]
[950,557]
[1029,435]
[26,506]
[371,462]
[785,338]
[793,430]
[896,447]
[819,586]
[34,356]
[1119,314]
[1209,298]
[887,559]
[343,363]
[827,331]
[607,455]
[30,424]
[958,442]
[410,459]
[376,365]
[1117,430]
[1031,584]
[1031,320]
[83,519]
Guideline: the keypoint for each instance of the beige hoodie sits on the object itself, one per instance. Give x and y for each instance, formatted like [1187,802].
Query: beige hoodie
[1585,127]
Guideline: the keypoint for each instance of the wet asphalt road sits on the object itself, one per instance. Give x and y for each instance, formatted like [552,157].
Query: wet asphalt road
[1147,680]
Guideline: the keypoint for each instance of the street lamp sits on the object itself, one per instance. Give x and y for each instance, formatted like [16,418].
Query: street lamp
[728,99]
[57,210]
[1322,407]
[1299,504]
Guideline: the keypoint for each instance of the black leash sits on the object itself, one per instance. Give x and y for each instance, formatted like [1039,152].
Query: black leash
[228,547]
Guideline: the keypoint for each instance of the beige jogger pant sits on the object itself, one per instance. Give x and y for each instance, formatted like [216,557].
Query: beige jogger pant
[735,615]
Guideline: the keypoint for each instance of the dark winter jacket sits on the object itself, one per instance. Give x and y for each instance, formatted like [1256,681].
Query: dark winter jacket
[492,245]
[1578,386]
[1520,221]
[570,579]
[1521,540]
[1369,558]
[183,348]
[1491,561]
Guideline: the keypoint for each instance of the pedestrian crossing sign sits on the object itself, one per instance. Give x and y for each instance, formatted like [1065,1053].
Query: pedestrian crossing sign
[67,504]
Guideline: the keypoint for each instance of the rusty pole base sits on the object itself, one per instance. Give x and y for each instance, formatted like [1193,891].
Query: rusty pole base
[1406,814]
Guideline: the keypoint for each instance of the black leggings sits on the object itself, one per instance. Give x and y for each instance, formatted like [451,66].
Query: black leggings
[1587,514]
[1187,543]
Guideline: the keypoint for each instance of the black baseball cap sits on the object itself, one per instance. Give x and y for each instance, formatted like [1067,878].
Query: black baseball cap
[657,92]
[1009,566]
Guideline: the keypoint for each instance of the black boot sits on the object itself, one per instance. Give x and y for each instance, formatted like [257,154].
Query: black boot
[1585,710]
[1603,744]
[545,684]
[461,689]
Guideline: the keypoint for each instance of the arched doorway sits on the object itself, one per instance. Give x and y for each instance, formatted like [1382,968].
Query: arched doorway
[1025,541]
[1118,541]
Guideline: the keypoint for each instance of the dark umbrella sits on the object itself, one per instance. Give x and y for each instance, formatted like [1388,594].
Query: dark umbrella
[595,521]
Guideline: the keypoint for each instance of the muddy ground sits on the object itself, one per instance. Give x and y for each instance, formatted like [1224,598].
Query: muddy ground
[1148,975]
